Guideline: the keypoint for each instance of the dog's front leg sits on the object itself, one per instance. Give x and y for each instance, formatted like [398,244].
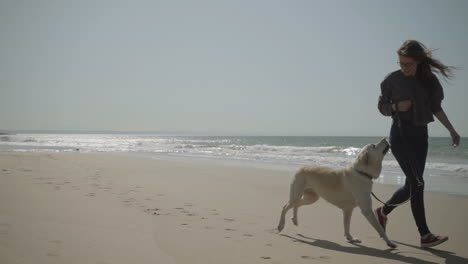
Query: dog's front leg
[347,213]
[364,202]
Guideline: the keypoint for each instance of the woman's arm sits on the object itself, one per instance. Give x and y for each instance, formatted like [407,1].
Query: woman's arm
[385,104]
[445,121]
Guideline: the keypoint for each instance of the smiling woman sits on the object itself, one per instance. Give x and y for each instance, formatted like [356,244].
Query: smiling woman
[408,65]
[412,96]
[416,60]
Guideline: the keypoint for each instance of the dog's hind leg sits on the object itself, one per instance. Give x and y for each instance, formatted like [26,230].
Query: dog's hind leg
[296,190]
[286,208]
[309,197]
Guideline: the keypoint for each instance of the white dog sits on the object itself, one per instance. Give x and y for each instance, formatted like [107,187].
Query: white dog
[344,188]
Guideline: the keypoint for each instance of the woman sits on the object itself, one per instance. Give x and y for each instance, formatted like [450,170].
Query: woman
[412,96]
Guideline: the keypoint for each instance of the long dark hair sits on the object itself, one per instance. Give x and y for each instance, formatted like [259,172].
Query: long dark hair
[427,65]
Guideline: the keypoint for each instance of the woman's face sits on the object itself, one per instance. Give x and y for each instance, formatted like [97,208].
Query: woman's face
[408,65]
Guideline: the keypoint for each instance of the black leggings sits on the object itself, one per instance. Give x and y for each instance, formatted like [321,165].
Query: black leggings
[409,145]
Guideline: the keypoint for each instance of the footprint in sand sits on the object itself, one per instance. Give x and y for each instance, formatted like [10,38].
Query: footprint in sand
[213,211]
[154,211]
[58,186]
[325,258]
[129,201]
[229,219]
[126,192]
[265,257]
[55,251]
[230,229]
[248,235]
[90,194]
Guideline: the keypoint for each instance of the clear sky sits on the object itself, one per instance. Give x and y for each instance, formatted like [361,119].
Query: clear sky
[218,67]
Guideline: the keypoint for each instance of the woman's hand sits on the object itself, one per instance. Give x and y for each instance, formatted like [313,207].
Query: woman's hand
[404,106]
[455,138]
[453,133]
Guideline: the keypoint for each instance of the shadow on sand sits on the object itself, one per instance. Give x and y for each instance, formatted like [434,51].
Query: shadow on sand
[450,257]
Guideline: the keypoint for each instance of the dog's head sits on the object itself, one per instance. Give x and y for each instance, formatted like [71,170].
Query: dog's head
[369,160]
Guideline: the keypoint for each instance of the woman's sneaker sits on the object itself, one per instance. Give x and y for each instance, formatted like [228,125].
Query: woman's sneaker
[381,217]
[432,240]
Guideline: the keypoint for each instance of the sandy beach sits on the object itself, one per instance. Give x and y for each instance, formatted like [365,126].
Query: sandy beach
[104,208]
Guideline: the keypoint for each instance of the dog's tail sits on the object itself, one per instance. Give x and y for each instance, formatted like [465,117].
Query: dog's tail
[296,189]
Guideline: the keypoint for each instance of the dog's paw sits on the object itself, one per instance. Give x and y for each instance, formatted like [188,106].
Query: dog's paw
[391,244]
[294,220]
[354,240]
[280,227]
[281,223]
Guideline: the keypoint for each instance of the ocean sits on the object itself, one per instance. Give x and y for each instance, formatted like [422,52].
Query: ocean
[446,168]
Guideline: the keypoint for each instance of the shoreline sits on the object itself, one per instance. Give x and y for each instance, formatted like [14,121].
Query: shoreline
[104,208]
[255,164]
[446,169]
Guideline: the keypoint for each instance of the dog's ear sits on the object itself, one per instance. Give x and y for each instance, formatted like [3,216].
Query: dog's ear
[364,158]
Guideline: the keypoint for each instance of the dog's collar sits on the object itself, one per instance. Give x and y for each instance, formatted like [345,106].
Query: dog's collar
[364,174]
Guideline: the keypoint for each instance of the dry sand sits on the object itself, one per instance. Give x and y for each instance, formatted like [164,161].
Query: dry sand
[102,208]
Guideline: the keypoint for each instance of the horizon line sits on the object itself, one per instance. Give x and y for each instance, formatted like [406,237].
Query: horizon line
[173,133]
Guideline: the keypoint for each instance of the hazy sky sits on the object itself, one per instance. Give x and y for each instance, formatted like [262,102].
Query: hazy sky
[219,67]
